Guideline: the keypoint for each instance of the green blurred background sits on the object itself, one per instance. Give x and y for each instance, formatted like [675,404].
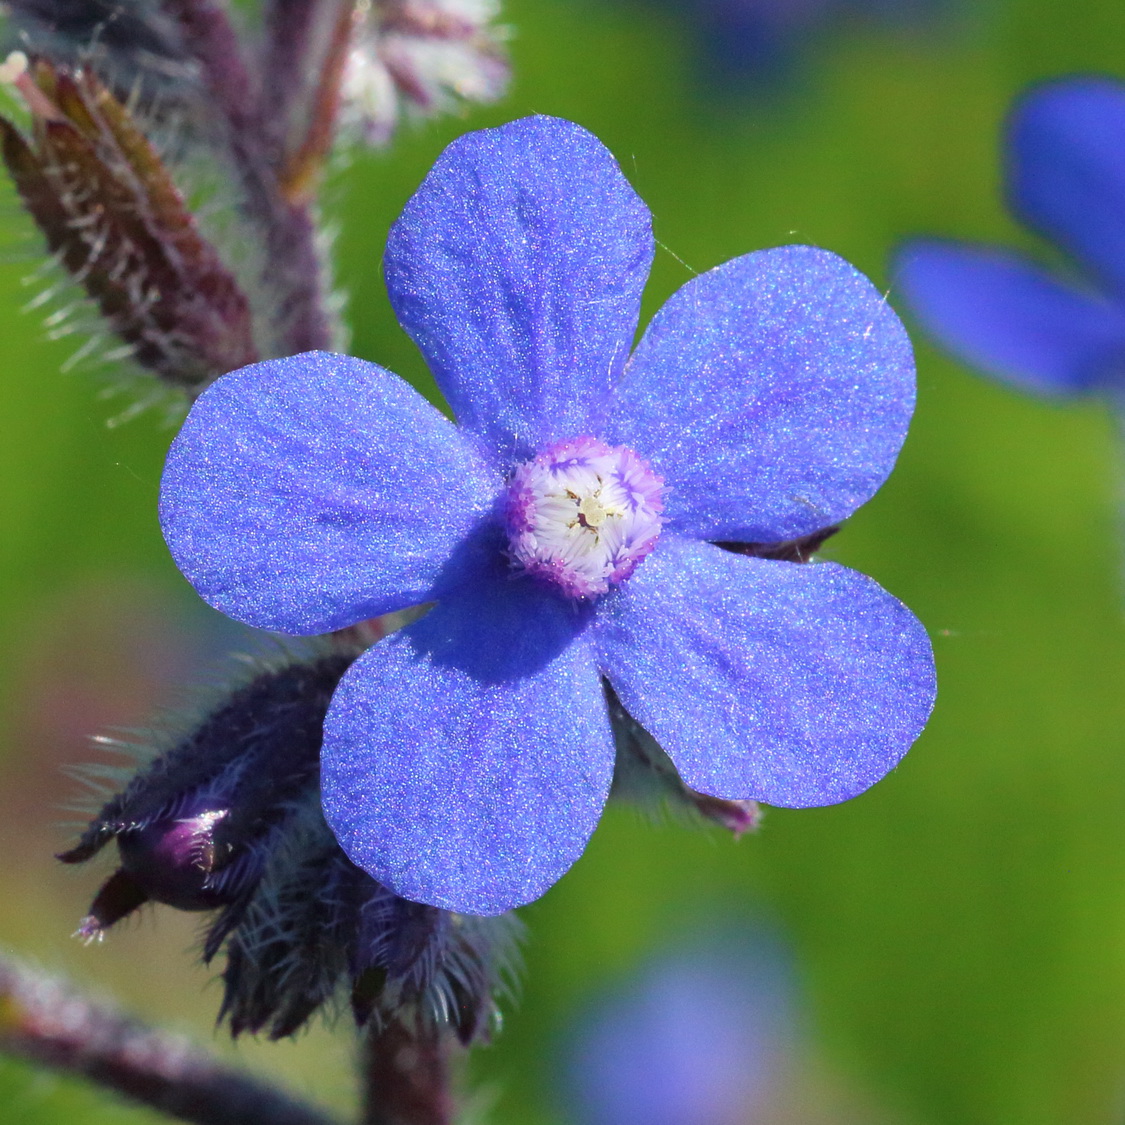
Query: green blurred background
[959,931]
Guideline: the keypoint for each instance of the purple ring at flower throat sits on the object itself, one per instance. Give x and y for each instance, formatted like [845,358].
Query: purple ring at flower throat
[583,515]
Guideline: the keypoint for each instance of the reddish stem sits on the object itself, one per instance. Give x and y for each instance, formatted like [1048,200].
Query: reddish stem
[407,1076]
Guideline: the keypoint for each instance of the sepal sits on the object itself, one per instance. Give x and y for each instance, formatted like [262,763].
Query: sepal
[228,819]
[644,776]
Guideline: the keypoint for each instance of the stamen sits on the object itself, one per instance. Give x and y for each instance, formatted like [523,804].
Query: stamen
[583,515]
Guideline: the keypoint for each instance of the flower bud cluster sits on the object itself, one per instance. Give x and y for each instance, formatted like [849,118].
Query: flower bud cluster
[228,820]
[423,57]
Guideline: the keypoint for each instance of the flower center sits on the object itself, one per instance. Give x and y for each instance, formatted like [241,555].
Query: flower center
[583,514]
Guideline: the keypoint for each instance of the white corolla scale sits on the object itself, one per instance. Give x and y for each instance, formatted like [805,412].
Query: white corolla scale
[583,514]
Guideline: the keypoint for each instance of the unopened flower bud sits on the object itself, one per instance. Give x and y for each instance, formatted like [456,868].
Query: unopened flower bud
[175,860]
[117,223]
[228,819]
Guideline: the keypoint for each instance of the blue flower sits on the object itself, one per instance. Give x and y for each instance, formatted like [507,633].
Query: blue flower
[565,526]
[700,1036]
[1054,332]
[765,43]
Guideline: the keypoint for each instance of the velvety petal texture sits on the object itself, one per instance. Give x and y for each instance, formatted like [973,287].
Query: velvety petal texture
[793,684]
[518,268]
[466,759]
[773,393]
[1066,169]
[998,312]
[309,493]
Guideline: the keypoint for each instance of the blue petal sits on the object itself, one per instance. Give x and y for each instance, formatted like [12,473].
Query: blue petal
[518,268]
[466,759]
[793,684]
[998,312]
[1066,169]
[772,394]
[309,493]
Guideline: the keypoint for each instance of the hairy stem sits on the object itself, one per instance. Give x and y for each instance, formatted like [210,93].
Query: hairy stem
[304,55]
[406,1075]
[293,266]
[304,163]
[47,1021]
[289,51]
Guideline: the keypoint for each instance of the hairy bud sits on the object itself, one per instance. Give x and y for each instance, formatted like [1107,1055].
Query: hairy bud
[119,226]
[228,819]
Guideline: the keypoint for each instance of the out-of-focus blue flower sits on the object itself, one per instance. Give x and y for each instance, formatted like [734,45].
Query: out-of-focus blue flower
[567,526]
[699,1038]
[1051,331]
[759,42]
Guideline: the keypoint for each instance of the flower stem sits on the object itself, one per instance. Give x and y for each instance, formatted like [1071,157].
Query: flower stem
[293,266]
[310,38]
[290,28]
[407,1076]
[47,1021]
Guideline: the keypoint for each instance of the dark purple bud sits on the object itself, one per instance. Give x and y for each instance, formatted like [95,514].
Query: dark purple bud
[191,827]
[645,776]
[175,860]
[228,819]
[119,226]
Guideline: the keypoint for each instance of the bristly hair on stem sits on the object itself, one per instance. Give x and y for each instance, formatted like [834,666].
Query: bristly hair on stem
[96,185]
[265,112]
[129,44]
[307,48]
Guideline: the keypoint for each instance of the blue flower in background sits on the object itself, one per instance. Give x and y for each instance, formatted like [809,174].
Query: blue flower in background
[1055,332]
[757,43]
[566,526]
[701,1037]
